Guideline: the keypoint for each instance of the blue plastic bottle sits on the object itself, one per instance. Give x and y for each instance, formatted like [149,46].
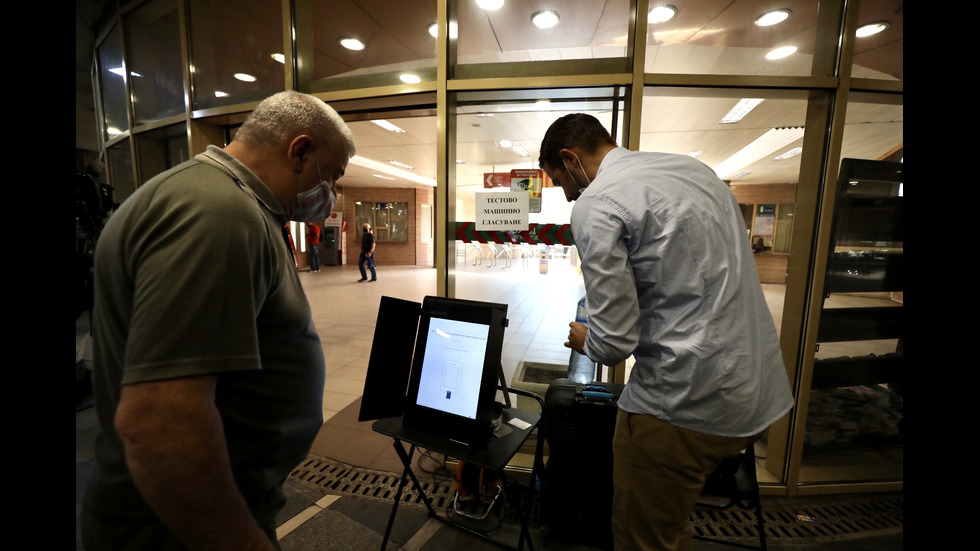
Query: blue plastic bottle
[580,368]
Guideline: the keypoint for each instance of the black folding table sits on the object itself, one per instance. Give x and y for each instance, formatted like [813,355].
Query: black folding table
[494,455]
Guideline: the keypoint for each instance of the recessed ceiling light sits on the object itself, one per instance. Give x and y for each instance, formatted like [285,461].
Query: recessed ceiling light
[772,17]
[409,78]
[871,28]
[780,53]
[545,19]
[742,108]
[220,94]
[387,125]
[400,165]
[383,177]
[505,143]
[662,13]
[490,4]
[244,77]
[280,58]
[519,149]
[352,43]
[789,154]
[434,30]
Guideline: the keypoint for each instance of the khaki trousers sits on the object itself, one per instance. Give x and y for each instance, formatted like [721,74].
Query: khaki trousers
[659,470]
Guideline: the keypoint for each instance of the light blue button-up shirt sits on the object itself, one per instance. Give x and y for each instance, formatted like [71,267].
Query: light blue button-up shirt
[671,280]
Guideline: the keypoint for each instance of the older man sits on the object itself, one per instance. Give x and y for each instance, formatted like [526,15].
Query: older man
[208,373]
[670,279]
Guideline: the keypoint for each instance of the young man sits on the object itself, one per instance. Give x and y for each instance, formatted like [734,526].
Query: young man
[208,371]
[670,279]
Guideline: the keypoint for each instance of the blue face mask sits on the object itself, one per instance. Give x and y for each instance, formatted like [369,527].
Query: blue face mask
[316,203]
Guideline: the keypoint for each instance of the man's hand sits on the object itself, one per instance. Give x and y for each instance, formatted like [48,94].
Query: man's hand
[175,449]
[576,336]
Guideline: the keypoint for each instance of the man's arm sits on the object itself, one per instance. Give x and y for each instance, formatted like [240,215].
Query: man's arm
[613,306]
[175,449]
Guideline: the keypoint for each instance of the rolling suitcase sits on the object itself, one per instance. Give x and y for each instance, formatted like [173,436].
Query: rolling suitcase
[576,491]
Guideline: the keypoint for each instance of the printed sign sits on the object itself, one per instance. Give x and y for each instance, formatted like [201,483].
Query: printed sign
[502,211]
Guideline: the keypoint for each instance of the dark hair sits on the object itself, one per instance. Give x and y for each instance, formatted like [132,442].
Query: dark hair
[575,130]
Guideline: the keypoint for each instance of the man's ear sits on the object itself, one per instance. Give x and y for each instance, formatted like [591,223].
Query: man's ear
[568,156]
[299,149]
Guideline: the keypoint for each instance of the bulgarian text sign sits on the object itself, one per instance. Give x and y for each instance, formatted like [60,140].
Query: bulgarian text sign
[501,211]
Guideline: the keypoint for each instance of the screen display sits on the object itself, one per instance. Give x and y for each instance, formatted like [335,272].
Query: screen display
[452,366]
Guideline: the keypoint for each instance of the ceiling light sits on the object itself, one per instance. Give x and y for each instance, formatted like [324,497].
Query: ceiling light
[780,53]
[382,168]
[770,142]
[521,151]
[409,78]
[742,108]
[545,19]
[490,4]
[434,30]
[352,43]
[543,104]
[387,125]
[660,14]
[383,177]
[399,164]
[220,94]
[505,143]
[789,154]
[695,153]
[460,162]
[773,17]
[871,28]
[280,58]
[244,77]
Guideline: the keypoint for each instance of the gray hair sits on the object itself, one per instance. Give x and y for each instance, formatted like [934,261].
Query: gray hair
[285,115]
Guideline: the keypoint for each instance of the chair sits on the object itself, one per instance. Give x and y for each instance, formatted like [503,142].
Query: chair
[735,483]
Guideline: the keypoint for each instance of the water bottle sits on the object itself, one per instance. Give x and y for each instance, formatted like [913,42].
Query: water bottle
[580,368]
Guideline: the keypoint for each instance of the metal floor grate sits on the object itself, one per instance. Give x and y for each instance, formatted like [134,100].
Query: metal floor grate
[811,518]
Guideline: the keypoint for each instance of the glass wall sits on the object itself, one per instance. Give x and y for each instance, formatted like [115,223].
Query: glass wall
[154,55]
[658,83]
[744,37]
[369,43]
[515,32]
[497,141]
[112,85]
[237,49]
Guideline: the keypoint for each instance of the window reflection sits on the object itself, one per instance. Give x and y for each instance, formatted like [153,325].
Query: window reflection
[161,149]
[154,55]
[585,29]
[880,55]
[730,38]
[112,78]
[358,39]
[236,51]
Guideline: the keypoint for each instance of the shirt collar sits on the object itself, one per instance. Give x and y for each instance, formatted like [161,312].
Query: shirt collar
[218,157]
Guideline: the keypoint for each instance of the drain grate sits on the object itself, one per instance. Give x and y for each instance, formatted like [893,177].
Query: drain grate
[811,518]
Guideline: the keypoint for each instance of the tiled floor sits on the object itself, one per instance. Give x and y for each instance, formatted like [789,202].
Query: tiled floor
[345,312]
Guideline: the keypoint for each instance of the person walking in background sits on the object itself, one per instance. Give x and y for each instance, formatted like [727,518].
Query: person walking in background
[367,253]
[313,245]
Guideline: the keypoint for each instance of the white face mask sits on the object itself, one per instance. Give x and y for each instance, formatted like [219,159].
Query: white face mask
[579,186]
[316,203]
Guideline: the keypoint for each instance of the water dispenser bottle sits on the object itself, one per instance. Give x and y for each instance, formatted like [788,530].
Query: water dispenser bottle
[580,368]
